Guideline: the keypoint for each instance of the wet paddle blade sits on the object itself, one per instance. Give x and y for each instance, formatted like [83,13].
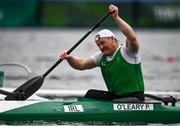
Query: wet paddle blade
[27,89]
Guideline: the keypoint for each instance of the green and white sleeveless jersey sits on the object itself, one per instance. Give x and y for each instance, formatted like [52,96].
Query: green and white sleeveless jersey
[121,72]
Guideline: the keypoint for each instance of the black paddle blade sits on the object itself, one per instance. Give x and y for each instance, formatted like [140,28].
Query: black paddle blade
[27,89]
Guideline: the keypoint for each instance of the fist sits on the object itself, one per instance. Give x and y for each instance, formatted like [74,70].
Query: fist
[64,55]
[114,9]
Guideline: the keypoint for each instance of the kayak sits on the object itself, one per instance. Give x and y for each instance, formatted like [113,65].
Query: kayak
[82,110]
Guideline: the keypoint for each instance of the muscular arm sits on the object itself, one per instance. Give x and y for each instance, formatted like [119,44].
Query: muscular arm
[131,38]
[81,64]
[78,63]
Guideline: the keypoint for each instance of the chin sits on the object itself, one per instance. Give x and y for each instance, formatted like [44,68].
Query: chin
[106,54]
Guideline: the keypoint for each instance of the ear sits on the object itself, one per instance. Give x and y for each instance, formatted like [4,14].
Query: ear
[113,39]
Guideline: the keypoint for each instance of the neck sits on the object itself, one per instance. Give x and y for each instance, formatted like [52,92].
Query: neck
[114,50]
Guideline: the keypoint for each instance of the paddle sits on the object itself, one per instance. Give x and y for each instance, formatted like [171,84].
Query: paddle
[6,92]
[31,86]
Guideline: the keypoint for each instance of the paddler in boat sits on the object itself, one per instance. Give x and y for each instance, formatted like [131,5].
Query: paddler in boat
[120,64]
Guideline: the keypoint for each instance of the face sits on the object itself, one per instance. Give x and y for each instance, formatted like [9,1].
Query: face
[107,45]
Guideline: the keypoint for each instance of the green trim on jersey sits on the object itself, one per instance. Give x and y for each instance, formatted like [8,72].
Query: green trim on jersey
[121,77]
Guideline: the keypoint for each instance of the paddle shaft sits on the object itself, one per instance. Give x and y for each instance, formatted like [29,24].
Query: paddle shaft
[6,92]
[70,50]
[30,87]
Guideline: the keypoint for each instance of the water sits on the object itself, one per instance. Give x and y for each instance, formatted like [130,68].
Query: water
[39,49]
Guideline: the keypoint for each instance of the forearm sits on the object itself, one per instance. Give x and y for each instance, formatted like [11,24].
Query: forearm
[75,62]
[78,63]
[125,28]
[132,40]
